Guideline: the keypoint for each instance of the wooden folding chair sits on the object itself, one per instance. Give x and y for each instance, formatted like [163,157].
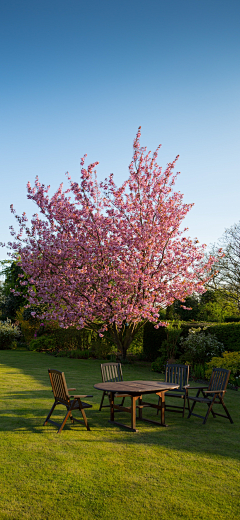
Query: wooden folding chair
[213,395]
[111,372]
[62,397]
[178,375]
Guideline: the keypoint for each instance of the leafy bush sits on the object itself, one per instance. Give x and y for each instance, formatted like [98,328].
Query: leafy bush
[67,339]
[200,347]
[136,346]
[230,361]
[102,347]
[28,327]
[198,372]
[159,364]
[8,334]
[169,345]
[42,343]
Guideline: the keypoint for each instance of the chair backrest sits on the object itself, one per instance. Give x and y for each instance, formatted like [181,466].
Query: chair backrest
[219,379]
[111,372]
[177,374]
[59,386]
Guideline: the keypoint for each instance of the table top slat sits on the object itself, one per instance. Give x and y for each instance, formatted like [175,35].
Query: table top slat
[135,387]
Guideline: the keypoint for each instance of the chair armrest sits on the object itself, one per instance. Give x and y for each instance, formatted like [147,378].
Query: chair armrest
[80,396]
[214,391]
[71,389]
[197,387]
[186,386]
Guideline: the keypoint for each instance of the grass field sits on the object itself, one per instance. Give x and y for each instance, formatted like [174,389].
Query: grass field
[186,471]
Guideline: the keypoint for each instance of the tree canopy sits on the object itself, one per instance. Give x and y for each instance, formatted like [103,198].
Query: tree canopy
[227,267]
[110,258]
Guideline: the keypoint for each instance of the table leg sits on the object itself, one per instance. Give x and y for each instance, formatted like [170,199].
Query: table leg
[160,407]
[162,397]
[129,409]
[133,412]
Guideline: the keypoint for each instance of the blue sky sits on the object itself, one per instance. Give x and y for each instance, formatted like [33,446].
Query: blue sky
[80,77]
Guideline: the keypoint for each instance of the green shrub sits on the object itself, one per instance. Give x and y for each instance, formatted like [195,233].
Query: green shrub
[8,334]
[200,347]
[136,346]
[159,364]
[43,343]
[230,361]
[102,347]
[67,339]
[28,327]
[198,372]
[169,345]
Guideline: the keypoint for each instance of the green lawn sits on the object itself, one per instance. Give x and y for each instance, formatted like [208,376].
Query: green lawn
[185,471]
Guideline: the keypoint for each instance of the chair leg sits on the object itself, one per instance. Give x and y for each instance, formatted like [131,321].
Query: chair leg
[50,413]
[226,410]
[100,407]
[64,421]
[84,415]
[122,401]
[210,405]
[71,418]
[184,405]
[191,410]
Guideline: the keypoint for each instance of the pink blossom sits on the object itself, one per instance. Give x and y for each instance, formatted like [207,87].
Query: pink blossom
[104,256]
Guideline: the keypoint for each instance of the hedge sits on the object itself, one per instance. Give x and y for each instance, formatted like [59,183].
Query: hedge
[226,333]
[152,340]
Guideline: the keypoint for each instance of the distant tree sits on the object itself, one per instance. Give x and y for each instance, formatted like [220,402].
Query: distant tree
[209,306]
[187,310]
[110,258]
[9,302]
[227,268]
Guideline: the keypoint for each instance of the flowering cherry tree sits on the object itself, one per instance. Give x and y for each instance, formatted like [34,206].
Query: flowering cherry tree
[110,258]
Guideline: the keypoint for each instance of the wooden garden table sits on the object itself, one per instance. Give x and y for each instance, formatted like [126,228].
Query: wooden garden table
[136,389]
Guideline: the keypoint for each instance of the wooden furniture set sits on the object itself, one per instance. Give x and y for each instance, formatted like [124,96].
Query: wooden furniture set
[113,386]
[135,390]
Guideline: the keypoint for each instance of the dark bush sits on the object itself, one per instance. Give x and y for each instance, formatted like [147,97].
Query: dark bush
[75,354]
[152,341]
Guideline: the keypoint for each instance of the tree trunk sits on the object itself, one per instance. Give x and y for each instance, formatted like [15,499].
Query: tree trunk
[124,337]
